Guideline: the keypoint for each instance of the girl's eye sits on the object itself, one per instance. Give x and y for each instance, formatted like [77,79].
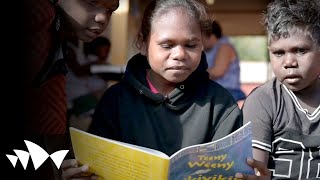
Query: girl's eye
[166,46]
[191,45]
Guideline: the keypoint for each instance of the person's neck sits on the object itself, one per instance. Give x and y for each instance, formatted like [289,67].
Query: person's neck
[309,98]
[163,86]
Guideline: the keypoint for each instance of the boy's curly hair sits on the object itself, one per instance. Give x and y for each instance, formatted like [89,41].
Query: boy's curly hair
[285,16]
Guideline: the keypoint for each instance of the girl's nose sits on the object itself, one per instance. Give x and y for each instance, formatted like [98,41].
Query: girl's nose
[179,53]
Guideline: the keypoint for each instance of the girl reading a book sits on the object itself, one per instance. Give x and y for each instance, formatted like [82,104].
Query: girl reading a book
[166,100]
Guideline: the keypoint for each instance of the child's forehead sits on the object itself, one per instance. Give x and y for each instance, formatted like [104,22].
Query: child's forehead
[174,20]
[294,41]
[292,32]
[180,12]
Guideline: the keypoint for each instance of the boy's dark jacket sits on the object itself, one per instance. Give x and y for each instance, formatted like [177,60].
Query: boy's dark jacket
[197,111]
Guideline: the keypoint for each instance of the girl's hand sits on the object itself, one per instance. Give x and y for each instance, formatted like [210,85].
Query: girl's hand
[71,170]
[262,172]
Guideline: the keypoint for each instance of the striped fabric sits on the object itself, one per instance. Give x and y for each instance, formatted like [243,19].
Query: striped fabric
[47,107]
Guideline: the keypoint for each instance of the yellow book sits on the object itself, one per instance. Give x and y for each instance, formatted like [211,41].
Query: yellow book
[114,160]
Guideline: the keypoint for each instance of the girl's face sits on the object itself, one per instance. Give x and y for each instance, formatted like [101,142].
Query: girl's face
[88,18]
[174,46]
[295,60]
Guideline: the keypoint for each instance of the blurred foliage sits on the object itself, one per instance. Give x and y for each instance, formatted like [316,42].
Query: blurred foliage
[251,48]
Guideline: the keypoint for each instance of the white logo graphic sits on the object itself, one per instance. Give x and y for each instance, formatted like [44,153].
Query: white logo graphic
[38,156]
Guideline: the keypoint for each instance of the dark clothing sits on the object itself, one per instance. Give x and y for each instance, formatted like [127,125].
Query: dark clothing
[45,101]
[197,111]
[288,132]
[42,119]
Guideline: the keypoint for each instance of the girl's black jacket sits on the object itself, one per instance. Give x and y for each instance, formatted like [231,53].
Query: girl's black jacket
[198,110]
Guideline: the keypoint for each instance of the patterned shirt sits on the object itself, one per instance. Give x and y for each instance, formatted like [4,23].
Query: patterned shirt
[288,132]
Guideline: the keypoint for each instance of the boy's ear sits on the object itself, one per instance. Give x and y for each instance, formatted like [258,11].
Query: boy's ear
[143,49]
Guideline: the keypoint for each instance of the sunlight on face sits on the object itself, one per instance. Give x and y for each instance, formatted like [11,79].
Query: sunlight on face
[174,47]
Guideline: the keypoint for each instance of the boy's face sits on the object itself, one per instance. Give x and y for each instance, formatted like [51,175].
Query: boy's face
[88,18]
[295,60]
[174,47]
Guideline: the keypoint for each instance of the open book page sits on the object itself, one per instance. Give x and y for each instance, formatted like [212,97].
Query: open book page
[220,159]
[116,160]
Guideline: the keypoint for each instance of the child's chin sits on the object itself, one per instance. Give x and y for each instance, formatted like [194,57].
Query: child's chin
[294,87]
[176,80]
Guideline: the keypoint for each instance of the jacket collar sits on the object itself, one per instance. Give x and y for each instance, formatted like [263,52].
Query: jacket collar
[135,76]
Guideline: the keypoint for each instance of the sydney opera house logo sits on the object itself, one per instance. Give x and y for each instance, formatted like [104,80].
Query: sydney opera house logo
[37,154]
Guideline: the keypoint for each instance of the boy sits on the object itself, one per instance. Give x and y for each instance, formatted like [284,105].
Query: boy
[286,110]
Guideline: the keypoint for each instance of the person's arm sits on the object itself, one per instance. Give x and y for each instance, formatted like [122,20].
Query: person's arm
[262,169]
[223,59]
[261,155]
[264,173]
[258,108]
[226,116]
[260,164]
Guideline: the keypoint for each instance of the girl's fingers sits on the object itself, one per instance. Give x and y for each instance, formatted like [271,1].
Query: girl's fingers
[74,172]
[69,163]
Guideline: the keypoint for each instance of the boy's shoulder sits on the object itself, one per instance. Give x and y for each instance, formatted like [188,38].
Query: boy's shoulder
[269,95]
[270,88]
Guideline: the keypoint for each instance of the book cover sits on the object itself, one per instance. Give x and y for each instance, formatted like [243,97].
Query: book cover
[217,160]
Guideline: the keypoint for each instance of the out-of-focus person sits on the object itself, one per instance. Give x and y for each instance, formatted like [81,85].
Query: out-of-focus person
[223,61]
